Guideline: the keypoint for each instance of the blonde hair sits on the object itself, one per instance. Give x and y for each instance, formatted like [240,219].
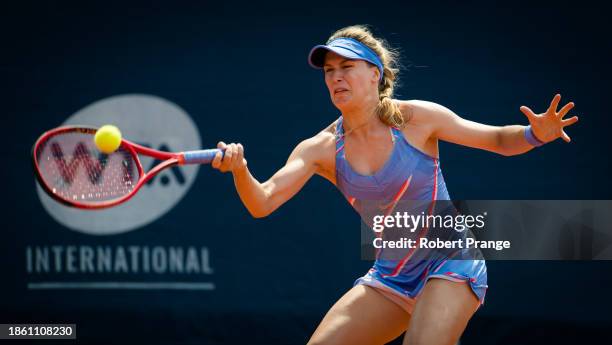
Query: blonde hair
[387,110]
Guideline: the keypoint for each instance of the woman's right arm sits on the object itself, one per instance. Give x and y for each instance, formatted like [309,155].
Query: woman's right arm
[261,199]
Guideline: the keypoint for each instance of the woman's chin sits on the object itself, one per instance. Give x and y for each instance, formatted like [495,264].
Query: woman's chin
[342,101]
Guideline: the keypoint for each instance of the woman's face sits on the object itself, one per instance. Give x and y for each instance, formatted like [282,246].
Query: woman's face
[351,83]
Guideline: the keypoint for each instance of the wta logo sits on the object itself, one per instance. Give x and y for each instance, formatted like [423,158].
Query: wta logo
[148,120]
[93,165]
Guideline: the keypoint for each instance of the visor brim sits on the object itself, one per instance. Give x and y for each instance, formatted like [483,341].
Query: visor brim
[316,58]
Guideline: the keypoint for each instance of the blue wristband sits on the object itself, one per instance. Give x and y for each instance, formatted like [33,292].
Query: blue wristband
[531,138]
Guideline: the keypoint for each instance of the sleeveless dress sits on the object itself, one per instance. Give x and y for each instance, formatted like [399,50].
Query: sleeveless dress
[409,174]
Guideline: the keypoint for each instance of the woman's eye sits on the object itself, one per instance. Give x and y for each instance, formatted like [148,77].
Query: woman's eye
[347,66]
[328,70]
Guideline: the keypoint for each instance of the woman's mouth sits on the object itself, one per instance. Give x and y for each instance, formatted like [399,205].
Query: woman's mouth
[339,90]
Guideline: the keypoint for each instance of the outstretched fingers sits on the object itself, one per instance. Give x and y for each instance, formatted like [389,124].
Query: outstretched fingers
[554,103]
[565,136]
[569,121]
[565,110]
[552,121]
[529,113]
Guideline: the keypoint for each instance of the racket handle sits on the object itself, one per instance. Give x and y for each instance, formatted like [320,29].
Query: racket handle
[201,156]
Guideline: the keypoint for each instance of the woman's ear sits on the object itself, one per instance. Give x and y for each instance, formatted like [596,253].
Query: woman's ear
[376,74]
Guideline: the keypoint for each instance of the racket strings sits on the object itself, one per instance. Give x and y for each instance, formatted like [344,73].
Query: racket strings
[71,166]
[68,171]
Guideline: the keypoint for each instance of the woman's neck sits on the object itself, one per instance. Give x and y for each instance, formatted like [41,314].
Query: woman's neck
[362,121]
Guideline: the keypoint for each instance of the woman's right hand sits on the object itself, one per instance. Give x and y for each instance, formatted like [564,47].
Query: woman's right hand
[263,198]
[233,160]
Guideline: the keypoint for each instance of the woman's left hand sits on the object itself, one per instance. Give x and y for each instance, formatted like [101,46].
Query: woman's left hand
[549,126]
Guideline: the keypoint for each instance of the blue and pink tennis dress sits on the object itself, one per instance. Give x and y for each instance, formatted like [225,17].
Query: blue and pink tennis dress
[408,174]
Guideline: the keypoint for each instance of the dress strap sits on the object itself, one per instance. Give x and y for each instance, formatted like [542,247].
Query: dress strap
[339,130]
[395,134]
[339,136]
[392,134]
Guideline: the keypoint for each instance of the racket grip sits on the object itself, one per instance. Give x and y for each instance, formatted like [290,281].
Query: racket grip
[201,156]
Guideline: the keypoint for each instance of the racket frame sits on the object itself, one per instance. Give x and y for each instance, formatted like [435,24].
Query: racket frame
[169,159]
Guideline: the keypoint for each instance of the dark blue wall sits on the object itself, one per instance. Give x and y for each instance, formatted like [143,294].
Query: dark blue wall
[240,71]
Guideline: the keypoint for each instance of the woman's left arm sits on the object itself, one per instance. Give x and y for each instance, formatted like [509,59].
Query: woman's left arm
[505,140]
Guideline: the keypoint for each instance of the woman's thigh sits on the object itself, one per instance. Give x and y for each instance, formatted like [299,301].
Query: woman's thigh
[441,313]
[361,316]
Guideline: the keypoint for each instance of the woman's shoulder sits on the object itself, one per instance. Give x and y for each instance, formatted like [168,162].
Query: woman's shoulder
[420,122]
[424,113]
[320,149]
[417,110]
[323,140]
[327,136]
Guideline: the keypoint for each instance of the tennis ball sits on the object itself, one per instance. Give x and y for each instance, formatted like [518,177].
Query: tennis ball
[108,138]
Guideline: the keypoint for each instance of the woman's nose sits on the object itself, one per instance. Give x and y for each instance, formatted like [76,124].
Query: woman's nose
[337,75]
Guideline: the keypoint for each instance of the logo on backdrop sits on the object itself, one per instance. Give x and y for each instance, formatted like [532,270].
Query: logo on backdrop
[148,120]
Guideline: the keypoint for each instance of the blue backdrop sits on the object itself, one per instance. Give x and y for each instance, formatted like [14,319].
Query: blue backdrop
[239,70]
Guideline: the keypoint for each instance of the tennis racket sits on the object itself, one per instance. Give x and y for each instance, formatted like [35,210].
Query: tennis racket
[71,169]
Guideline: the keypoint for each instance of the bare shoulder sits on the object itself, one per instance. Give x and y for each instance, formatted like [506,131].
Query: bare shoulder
[422,112]
[326,138]
[320,150]
[420,123]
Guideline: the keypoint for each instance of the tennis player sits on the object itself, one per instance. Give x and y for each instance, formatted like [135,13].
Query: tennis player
[386,149]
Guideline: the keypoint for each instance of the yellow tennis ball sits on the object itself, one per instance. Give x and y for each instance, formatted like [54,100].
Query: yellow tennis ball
[108,138]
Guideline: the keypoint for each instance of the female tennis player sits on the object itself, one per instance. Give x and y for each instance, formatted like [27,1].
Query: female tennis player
[386,149]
